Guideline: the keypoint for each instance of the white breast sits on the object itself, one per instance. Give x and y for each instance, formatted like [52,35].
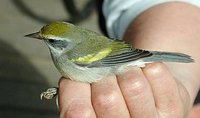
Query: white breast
[83,74]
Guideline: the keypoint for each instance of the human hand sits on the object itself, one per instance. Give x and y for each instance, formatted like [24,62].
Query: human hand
[151,92]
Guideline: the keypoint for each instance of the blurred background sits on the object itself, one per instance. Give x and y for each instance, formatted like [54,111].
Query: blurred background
[26,68]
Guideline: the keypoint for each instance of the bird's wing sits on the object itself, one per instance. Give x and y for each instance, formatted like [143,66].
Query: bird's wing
[107,54]
[121,58]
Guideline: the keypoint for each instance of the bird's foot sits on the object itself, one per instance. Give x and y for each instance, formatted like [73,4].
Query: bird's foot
[49,93]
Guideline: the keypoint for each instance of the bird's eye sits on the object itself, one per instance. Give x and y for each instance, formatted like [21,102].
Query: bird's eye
[51,40]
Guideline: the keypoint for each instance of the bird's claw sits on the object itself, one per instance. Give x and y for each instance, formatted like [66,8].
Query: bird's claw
[49,93]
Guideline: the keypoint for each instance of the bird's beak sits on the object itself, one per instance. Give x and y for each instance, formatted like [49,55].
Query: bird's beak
[34,35]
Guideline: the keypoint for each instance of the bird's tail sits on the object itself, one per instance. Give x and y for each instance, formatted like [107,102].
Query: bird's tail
[169,57]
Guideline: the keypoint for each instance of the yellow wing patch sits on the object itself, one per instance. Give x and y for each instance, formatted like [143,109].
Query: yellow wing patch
[92,57]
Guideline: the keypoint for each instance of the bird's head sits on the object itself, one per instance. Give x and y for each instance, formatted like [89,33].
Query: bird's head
[59,36]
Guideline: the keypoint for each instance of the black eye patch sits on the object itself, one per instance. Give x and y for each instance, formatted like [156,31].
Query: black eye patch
[58,43]
[51,40]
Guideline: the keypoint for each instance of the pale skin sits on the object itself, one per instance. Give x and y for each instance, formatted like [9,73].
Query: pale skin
[160,90]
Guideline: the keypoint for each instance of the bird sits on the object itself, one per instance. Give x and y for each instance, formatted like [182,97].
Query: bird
[86,56]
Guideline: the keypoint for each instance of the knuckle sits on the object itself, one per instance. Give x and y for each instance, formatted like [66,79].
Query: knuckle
[135,88]
[156,72]
[156,69]
[134,83]
[106,100]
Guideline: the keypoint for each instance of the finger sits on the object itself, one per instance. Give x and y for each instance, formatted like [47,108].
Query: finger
[164,89]
[137,93]
[107,99]
[75,99]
